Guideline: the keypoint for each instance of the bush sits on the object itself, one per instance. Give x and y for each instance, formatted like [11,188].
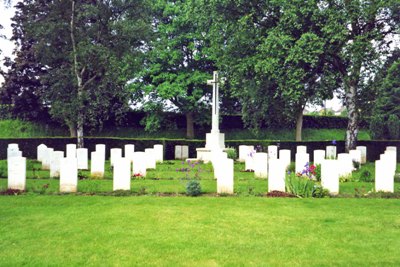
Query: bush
[376,127]
[231,153]
[393,126]
[193,188]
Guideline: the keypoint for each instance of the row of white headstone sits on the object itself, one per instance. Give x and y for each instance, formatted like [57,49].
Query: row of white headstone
[77,159]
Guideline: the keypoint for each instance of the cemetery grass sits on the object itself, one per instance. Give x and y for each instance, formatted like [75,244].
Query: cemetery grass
[39,230]
[24,129]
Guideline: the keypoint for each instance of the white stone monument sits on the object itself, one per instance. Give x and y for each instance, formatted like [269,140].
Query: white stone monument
[55,163]
[285,156]
[301,149]
[69,175]
[384,177]
[151,158]
[345,164]
[122,174]
[214,140]
[181,152]
[71,150]
[159,152]
[225,180]
[330,176]
[82,157]
[13,151]
[331,152]
[16,167]
[355,155]
[46,158]
[319,156]
[97,164]
[41,149]
[129,150]
[244,151]
[301,161]
[114,154]
[101,148]
[363,150]
[272,152]
[276,175]
[261,165]
[216,158]
[139,163]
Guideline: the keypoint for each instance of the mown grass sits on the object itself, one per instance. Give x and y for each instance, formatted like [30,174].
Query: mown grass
[20,129]
[181,231]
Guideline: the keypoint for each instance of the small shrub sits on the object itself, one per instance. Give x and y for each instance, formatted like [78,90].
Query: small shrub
[318,172]
[393,126]
[292,167]
[376,127]
[356,165]
[300,186]
[366,176]
[193,188]
[3,171]
[231,153]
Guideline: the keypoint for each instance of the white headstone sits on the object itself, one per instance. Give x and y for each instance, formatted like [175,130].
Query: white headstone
[129,150]
[151,158]
[225,180]
[390,157]
[301,149]
[391,148]
[216,158]
[101,149]
[272,152]
[122,174]
[159,152]
[331,152]
[302,159]
[40,151]
[97,164]
[16,173]
[355,155]
[363,150]
[319,156]
[244,151]
[82,157]
[185,152]
[178,152]
[13,151]
[139,163]
[276,175]
[71,150]
[384,179]
[249,161]
[285,156]
[114,154]
[69,175]
[55,163]
[345,164]
[261,165]
[46,158]
[330,176]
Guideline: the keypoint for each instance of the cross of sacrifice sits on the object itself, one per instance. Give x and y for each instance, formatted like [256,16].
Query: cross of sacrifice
[215,103]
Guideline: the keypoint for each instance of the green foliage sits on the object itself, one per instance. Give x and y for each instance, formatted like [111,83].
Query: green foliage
[318,172]
[377,127]
[300,186]
[393,125]
[232,154]
[193,188]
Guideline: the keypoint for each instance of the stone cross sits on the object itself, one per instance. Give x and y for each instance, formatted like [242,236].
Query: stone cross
[215,103]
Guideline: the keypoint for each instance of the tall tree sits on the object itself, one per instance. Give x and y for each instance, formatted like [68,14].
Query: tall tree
[176,67]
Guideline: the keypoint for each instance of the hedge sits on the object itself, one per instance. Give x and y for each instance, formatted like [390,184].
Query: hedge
[28,146]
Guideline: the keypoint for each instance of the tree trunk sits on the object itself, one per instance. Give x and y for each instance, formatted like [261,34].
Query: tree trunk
[352,125]
[72,129]
[189,125]
[79,131]
[299,125]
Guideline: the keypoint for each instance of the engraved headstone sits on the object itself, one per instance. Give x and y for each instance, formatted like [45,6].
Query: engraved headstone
[225,180]
[71,150]
[97,164]
[55,163]
[276,175]
[302,159]
[40,151]
[261,165]
[285,156]
[330,176]
[69,175]
[319,156]
[363,150]
[114,154]
[16,167]
[139,164]
[122,174]
[272,152]
[159,152]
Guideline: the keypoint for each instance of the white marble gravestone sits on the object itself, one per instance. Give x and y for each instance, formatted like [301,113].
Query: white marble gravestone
[139,163]
[272,152]
[46,158]
[71,151]
[12,150]
[301,149]
[244,151]
[216,158]
[285,156]
[82,157]
[16,168]
[391,148]
[129,149]
[276,175]
[249,161]
[355,155]
[69,175]
[114,154]
[384,177]
[159,152]
[97,164]
[330,176]
[225,180]
[363,150]
[151,158]
[122,174]
[319,156]
[101,149]
[345,164]
[390,158]
[331,152]
[55,163]
[261,165]
[181,152]
[301,161]
[40,151]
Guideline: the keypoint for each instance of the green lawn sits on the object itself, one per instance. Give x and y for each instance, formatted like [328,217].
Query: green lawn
[207,231]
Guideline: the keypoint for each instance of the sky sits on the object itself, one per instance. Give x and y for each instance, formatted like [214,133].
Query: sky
[6,13]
